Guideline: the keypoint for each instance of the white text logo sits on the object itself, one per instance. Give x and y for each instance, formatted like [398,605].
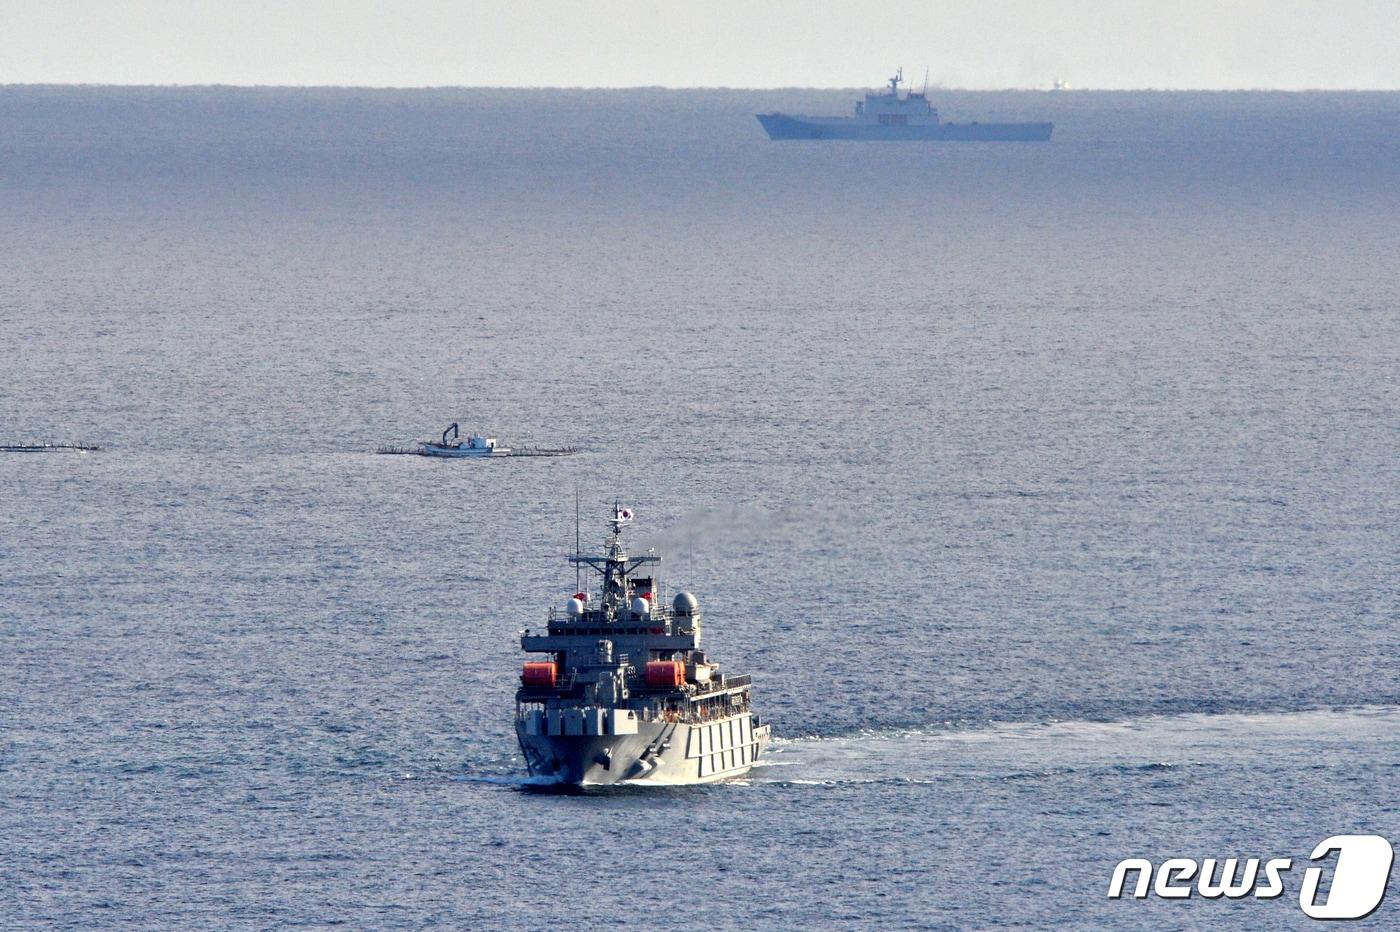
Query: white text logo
[1358,879]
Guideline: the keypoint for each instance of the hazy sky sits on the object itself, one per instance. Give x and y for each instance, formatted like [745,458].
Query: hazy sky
[686,43]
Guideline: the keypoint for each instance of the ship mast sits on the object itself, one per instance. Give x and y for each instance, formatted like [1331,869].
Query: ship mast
[614,565]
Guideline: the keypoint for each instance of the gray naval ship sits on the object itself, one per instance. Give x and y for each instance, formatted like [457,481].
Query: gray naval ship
[626,696]
[885,115]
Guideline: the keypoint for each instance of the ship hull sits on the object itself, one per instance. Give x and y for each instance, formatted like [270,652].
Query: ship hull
[433,449]
[780,126]
[660,753]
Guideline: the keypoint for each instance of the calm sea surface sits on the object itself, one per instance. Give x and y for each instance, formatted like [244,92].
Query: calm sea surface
[1051,493]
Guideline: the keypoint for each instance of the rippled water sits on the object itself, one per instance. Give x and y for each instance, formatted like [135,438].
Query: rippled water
[1048,492]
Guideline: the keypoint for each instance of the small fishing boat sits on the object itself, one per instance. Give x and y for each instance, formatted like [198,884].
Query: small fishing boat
[452,446]
[474,445]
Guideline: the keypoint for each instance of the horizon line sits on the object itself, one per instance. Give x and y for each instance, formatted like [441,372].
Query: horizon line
[7,85]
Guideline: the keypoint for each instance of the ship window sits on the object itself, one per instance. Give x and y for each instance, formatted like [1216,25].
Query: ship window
[894,119]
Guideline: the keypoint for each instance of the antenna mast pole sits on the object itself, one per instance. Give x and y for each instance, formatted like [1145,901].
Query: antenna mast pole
[578,569]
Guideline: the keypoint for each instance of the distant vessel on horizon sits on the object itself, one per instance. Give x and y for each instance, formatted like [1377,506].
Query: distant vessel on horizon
[884,115]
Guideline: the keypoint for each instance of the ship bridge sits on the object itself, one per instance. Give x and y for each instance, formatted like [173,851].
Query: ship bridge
[628,610]
[887,108]
[623,645]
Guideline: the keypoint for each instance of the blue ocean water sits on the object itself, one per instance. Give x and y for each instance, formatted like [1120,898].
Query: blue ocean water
[1050,493]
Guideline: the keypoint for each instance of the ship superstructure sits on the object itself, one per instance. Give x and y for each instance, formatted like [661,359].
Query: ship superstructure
[885,115]
[623,693]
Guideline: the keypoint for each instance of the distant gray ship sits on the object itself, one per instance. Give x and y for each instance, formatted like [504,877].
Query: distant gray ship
[626,695]
[887,116]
